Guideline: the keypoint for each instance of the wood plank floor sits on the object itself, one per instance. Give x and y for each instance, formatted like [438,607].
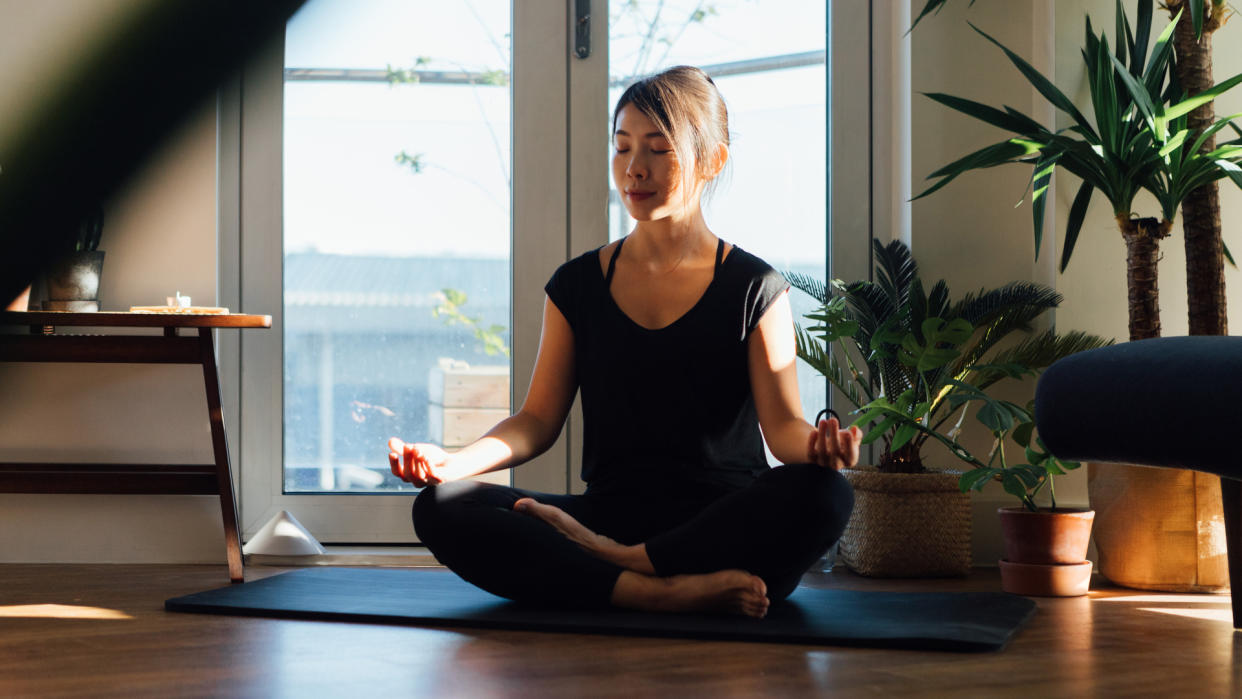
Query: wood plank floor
[68,630]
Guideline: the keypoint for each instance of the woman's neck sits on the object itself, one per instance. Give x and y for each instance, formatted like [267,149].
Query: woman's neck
[667,243]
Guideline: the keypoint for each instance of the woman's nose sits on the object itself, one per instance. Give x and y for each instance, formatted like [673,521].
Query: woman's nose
[636,167]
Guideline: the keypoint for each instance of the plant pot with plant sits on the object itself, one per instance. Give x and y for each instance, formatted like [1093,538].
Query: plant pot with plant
[73,280]
[907,359]
[1045,547]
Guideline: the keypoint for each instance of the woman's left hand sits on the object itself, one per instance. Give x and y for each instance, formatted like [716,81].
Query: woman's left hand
[832,447]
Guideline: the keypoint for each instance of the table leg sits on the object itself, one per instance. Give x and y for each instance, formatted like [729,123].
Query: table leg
[228,505]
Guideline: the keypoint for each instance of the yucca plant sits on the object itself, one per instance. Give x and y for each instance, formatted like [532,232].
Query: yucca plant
[911,360]
[1139,141]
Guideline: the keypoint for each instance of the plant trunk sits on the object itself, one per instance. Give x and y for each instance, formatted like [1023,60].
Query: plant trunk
[1142,236]
[1205,260]
[904,460]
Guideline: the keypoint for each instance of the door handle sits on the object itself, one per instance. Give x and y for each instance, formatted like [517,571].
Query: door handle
[582,28]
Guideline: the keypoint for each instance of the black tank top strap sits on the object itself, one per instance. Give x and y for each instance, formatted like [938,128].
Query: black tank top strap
[612,264]
[719,252]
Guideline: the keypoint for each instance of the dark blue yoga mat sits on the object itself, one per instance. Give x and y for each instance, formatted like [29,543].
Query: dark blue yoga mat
[960,621]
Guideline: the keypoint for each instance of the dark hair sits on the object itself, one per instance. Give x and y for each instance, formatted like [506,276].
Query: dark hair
[686,107]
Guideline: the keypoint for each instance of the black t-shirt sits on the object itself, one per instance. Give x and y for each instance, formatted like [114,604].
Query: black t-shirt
[673,406]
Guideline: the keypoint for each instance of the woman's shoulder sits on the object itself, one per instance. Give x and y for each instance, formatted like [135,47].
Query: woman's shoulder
[749,266]
[573,276]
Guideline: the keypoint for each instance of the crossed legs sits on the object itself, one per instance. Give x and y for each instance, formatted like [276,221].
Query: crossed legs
[734,554]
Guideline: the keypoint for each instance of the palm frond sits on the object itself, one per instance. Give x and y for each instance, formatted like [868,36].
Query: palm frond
[811,351]
[1037,352]
[984,306]
[810,286]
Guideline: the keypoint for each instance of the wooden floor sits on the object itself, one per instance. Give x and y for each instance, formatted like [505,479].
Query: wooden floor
[101,630]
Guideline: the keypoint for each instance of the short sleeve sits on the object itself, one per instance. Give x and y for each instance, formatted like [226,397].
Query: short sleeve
[561,289]
[766,285]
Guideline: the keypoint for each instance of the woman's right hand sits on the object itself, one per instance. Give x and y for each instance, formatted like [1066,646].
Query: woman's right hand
[418,464]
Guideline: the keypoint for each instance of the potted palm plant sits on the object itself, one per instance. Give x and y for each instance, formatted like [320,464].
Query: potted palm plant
[1140,138]
[900,354]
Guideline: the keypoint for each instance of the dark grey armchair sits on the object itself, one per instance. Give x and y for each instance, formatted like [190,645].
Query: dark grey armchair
[1170,402]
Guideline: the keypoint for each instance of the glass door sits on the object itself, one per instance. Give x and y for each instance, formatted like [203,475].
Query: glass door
[396,234]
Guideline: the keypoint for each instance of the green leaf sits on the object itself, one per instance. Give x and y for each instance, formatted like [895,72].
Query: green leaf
[1040,83]
[1013,485]
[991,156]
[976,478]
[1174,143]
[1041,179]
[1077,213]
[903,436]
[1009,120]
[1154,71]
[1196,16]
[1190,103]
[1211,131]
[1142,34]
[1142,99]
[1231,170]
[932,5]
[1022,433]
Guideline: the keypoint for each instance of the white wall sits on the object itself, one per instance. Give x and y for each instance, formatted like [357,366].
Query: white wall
[159,237]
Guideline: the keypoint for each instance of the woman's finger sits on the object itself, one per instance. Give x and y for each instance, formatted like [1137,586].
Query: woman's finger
[821,442]
[394,463]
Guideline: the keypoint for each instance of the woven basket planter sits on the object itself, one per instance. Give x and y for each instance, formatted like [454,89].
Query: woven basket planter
[907,525]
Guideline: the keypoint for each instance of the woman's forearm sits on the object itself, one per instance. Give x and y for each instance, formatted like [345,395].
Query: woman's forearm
[513,441]
[789,441]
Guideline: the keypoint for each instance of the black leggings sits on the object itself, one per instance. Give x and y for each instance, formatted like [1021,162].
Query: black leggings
[775,528]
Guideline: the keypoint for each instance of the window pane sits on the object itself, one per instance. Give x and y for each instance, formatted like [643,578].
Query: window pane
[768,61]
[396,233]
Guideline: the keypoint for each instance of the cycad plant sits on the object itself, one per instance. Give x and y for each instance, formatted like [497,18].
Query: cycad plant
[1139,140]
[912,360]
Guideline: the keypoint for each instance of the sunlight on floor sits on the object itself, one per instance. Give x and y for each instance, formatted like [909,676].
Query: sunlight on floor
[1223,615]
[1167,599]
[59,611]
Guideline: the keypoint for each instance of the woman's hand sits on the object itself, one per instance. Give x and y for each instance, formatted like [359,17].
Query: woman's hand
[833,447]
[417,464]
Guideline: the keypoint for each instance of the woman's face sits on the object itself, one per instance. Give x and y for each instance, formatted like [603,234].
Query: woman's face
[645,168]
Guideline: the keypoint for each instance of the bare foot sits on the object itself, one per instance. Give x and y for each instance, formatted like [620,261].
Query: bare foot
[729,591]
[629,557]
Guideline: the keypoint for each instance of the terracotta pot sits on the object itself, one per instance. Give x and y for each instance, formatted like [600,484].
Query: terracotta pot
[1047,537]
[1040,580]
[21,303]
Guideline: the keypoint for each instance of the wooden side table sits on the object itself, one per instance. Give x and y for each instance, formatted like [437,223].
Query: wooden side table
[43,344]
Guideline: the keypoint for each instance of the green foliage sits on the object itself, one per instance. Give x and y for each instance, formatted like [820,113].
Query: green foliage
[449,309]
[1139,140]
[909,359]
[1021,480]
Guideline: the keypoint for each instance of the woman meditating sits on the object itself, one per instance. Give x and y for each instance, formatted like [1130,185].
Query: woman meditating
[683,348]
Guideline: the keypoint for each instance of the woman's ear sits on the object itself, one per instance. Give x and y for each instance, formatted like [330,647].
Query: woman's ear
[719,158]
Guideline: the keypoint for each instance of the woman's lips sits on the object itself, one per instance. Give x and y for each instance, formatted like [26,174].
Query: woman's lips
[638,196]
